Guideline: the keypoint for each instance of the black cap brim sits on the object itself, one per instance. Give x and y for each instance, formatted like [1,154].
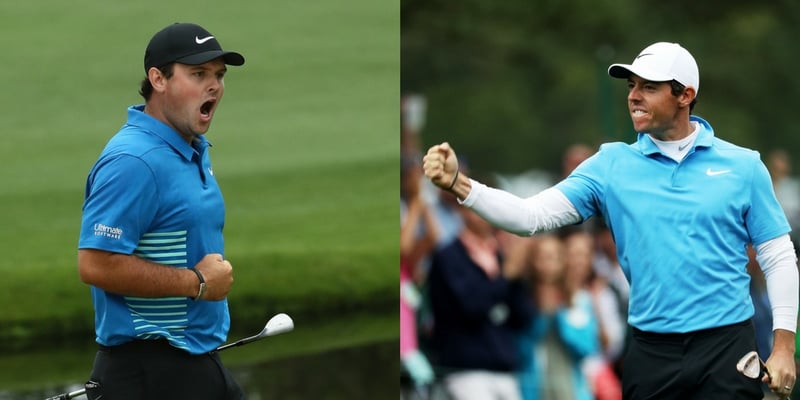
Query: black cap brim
[229,57]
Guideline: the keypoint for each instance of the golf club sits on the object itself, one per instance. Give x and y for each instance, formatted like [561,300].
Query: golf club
[279,323]
[276,325]
[751,366]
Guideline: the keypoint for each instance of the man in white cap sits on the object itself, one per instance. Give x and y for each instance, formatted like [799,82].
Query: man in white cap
[682,205]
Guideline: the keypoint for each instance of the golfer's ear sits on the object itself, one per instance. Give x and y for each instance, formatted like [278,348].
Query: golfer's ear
[157,79]
[687,96]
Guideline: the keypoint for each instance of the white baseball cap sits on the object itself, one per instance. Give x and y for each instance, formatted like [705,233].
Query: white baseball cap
[661,62]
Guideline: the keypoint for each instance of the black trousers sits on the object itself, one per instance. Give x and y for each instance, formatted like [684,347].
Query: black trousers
[154,370]
[696,365]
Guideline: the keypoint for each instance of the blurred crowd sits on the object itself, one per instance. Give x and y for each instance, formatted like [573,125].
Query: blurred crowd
[486,315]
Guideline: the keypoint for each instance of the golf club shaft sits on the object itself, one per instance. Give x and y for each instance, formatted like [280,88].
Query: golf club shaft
[239,342]
[70,395]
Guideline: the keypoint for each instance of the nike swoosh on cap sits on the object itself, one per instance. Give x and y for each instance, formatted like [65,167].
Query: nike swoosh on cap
[642,55]
[203,40]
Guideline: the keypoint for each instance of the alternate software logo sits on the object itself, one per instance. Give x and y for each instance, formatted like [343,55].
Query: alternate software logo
[107,231]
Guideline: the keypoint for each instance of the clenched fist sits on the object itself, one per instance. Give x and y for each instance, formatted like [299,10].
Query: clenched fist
[441,165]
[218,274]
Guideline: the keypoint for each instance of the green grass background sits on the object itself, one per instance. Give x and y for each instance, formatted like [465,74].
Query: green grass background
[304,146]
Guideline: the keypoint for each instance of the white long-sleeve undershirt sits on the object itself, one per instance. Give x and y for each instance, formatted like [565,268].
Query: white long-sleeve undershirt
[779,264]
[546,210]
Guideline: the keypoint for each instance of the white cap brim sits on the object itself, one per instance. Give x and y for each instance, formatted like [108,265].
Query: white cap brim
[623,71]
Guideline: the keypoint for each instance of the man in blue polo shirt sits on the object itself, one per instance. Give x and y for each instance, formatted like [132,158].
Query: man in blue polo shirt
[151,243]
[682,205]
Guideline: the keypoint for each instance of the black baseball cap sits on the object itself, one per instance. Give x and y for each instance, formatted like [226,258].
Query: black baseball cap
[186,43]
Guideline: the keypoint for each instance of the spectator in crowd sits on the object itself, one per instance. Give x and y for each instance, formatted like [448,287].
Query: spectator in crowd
[479,309]
[573,156]
[413,108]
[412,121]
[582,280]
[418,227]
[418,235]
[787,188]
[563,332]
[607,266]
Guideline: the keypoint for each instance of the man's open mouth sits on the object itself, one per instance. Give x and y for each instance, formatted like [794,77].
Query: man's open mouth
[207,108]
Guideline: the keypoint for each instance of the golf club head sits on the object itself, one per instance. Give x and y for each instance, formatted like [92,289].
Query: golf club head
[751,366]
[278,324]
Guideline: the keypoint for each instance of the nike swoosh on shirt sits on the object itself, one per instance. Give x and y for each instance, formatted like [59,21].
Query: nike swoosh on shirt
[709,172]
[203,40]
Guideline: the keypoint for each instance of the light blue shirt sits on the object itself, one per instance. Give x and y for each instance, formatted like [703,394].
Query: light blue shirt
[681,228]
[153,195]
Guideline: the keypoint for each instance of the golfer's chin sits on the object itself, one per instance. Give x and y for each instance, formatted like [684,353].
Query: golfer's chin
[201,128]
[642,126]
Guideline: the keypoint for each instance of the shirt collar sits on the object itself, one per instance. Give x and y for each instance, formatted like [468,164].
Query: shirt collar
[705,137]
[137,117]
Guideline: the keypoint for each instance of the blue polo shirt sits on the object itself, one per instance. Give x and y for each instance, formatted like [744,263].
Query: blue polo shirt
[681,227]
[153,195]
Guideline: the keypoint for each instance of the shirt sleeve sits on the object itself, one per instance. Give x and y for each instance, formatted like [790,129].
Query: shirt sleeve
[120,204]
[779,263]
[546,210]
[765,218]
